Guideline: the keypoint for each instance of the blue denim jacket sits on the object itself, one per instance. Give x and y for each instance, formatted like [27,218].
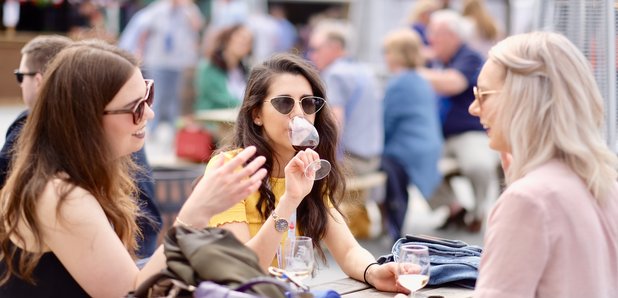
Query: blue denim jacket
[449,264]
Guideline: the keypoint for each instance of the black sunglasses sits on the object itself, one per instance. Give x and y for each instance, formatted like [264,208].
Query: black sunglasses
[20,75]
[285,104]
[140,105]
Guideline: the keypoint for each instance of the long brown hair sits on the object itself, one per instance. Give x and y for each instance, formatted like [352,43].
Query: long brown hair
[64,139]
[313,210]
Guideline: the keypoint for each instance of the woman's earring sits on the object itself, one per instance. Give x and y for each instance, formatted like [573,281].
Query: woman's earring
[258,123]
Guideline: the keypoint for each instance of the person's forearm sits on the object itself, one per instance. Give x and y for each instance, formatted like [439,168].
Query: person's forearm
[267,241]
[447,82]
[356,261]
[189,218]
[156,263]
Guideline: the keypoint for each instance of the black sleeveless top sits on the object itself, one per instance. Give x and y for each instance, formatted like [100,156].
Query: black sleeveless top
[51,278]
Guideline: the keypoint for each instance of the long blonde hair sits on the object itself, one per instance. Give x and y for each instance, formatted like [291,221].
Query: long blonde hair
[552,108]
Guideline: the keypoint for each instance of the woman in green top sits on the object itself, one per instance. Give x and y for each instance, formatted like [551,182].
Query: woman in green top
[220,80]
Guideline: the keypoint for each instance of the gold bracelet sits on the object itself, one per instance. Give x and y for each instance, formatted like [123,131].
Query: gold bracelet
[184,224]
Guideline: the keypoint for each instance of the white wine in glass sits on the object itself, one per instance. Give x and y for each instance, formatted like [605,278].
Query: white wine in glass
[299,258]
[413,267]
[413,282]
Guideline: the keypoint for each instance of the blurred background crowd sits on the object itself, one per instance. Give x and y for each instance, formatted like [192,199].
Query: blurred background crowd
[399,76]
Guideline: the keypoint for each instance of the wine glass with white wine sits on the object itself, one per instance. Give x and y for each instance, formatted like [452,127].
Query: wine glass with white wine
[299,258]
[413,267]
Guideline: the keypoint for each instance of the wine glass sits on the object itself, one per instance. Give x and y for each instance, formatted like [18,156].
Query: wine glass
[298,257]
[303,135]
[413,267]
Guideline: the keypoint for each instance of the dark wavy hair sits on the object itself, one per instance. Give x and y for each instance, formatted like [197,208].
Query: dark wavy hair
[313,210]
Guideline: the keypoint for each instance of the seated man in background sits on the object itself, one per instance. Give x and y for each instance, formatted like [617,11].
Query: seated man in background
[36,54]
[354,95]
[465,138]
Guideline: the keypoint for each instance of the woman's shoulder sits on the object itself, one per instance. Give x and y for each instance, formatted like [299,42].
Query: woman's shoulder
[60,195]
[60,186]
[206,66]
[411,82]
[409,79]
[550,183]
[227,155]
[548,174]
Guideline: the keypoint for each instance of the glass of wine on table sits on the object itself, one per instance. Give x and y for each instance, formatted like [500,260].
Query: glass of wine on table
[303,135]
[413,267]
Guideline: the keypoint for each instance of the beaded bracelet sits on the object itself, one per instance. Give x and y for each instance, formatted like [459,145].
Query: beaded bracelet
[365,273]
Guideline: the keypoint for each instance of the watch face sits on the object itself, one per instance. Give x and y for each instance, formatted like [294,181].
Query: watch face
[281,225]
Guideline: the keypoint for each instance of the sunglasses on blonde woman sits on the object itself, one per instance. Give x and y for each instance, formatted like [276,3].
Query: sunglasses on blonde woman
[478,94]
[140,105]
[285,104]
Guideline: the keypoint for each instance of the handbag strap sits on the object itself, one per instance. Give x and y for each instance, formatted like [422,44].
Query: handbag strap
[264,280]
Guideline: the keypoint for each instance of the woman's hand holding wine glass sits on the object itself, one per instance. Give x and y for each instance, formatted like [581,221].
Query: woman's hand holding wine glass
[303,135]
[297,185]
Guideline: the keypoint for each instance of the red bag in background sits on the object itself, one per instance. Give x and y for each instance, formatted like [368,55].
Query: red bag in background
[194,143]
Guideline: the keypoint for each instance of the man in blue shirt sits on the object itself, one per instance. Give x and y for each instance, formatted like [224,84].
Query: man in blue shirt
[36,55]
[465,138]
[353,93]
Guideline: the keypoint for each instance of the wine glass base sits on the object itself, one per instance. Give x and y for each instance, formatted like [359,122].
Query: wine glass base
[318,169]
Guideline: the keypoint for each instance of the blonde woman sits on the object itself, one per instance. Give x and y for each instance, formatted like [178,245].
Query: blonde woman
[554,231]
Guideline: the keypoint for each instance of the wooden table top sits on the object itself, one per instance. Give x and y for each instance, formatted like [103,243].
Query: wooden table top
[350,288]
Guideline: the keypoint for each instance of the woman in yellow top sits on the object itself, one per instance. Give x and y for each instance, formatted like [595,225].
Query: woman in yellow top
[279,89]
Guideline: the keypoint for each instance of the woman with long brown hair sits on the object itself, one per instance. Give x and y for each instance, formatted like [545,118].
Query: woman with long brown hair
[279,89]
[68,214]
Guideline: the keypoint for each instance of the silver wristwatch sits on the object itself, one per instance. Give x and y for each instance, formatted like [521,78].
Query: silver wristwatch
[281,224]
